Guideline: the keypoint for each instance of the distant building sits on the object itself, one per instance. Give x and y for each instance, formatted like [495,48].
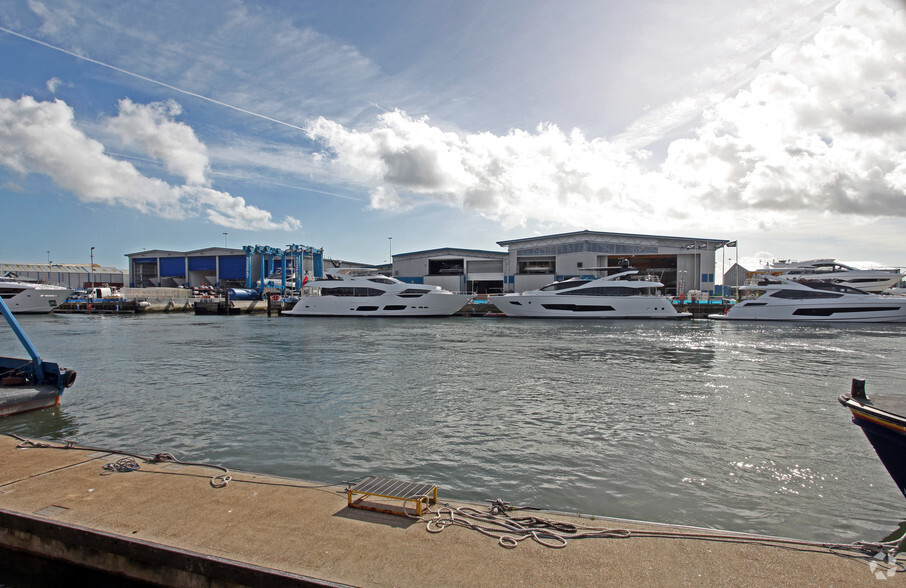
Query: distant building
[680,263]
[735,277]
[451,268]
[218,267]
[212,266]
[76,276]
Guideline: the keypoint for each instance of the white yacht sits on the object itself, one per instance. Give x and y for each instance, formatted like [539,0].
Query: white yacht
[779,298]
[829,270]
[365,292]
[22,296]
[624,294]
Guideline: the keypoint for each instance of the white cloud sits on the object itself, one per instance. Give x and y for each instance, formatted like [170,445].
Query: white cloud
[152,128]
[545,175]
[41,137]
[820,128]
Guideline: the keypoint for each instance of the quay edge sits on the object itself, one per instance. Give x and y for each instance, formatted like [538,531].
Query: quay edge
[165,520]
[135,559]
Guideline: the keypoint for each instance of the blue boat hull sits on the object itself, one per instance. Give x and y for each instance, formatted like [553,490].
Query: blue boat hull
[883,420]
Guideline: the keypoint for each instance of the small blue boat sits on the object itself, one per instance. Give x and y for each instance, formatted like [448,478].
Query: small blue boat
[29,384]
[883,420]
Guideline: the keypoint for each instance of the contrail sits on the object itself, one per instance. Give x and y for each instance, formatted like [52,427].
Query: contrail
[147,79]
[241,178]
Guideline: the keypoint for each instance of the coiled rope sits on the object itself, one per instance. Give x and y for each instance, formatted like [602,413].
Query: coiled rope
[124,465]
[510,531]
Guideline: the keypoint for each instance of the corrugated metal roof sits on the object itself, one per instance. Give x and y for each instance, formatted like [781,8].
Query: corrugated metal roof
[58,268]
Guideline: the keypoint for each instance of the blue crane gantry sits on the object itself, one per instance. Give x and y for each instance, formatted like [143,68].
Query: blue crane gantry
[269,255]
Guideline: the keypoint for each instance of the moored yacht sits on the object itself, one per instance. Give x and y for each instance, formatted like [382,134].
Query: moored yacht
[365,292]
[782,299]
[23,296]
[829,270]
[624,294]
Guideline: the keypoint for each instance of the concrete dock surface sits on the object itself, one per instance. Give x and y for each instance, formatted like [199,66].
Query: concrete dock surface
[170,523]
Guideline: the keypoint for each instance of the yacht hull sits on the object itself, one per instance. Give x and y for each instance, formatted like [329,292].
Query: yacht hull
[587,307]
[27,298]
[386,305]
[863,311]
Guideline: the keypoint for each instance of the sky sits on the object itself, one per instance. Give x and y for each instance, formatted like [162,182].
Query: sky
[375,128]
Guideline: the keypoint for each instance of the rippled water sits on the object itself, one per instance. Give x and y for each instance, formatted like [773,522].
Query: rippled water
[715,424]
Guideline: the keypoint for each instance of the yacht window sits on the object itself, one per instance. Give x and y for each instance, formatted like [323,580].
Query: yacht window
[564,284]
[10,292]
[832,287]
[804,294]
[413,293]
[602,291]
[381,280]
[348,291]
[825,311]
[579,307]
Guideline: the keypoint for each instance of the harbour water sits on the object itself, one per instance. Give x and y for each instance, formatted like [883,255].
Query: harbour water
[714,424]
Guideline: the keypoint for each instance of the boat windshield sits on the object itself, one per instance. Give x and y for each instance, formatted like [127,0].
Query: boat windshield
[832,287]
[570,283]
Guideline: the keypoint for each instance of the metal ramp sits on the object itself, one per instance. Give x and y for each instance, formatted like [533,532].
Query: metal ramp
[420,493]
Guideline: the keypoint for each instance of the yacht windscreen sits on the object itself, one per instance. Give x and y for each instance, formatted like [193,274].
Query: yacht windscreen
[564,284]
[831,287]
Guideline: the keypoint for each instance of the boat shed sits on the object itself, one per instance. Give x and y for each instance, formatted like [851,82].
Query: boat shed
[217,267]
[211,266]
[70,275]
[682,264]
[457,270]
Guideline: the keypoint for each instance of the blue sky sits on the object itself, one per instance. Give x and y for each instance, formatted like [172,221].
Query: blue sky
[165,124]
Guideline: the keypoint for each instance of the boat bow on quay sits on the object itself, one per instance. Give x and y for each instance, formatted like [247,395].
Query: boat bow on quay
[883,420]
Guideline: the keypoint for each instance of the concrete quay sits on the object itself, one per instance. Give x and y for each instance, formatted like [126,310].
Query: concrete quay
[176,524]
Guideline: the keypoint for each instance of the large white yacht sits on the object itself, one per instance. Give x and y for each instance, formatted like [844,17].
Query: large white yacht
[829,270]
[624,294]
[778,298]
[23,296]
[365,292]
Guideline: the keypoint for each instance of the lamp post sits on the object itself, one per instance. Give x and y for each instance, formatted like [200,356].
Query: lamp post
[390,241]
[735,245]
[225,240]
[91,270]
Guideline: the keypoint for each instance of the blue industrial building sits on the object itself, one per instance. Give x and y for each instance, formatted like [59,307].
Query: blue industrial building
[253,266]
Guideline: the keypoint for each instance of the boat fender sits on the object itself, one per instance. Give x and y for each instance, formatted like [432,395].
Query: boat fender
[263,296]
[69,378]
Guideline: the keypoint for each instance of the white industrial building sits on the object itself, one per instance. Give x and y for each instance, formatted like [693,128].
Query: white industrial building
[454,269]
[683,264]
